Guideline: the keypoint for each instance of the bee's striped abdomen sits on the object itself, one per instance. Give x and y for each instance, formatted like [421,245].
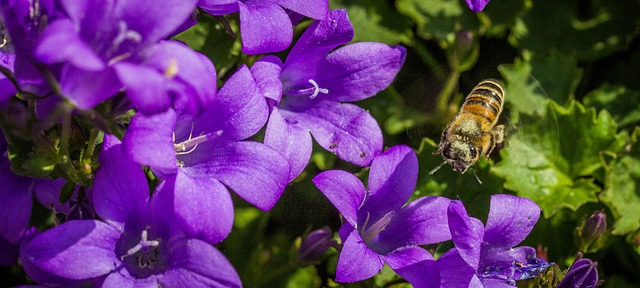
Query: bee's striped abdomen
[485,100]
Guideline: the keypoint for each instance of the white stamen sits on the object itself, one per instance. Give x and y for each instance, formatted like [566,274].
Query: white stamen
[317,89]
[144,243]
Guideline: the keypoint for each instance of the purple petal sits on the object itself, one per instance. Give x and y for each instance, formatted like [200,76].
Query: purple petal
[148,141]
[154,21]
[78,53]
[344,231]
[194,263]
[86,89]
[7,89]
[122,278]
[455,272]
[47,191]
[17,200]
[202,205]
[8,252]
[344,129]
[293,141]
[423,221]
[266,72]
[466,232]
[415,265]
[359,70]
[77,250]
[238,112]
[497,283]
[356,261]
[219,7]
[120,188]
[145,87]
[583,274]
[502,258]
[257,172]
[265,27]
[392,178]
[189,77]
[510,220]
[316,9]
[476,5]
[344,190]
[314,44]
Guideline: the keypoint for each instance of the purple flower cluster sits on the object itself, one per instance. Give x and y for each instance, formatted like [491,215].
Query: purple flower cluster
[380,227]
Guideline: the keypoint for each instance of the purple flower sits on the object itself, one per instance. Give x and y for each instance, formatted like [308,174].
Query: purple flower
[582,274]
[317,82]
[477,5]
[110,45]
[484,256]
[138,244]
[379,228]
[265,24]
[208,153]
[7,89]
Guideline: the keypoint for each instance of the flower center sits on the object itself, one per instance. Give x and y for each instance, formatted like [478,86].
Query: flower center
[312,92]
[124,34]
[146,251]
[369,233]
[189,145]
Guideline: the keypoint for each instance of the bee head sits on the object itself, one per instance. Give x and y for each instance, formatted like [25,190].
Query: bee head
[460,155]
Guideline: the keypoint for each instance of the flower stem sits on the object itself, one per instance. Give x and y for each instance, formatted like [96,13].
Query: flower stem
[447,92]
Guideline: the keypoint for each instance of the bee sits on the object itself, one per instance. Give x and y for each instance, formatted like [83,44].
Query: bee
[473,132]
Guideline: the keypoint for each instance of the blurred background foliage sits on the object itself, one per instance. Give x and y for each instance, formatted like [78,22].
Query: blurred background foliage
[571,71]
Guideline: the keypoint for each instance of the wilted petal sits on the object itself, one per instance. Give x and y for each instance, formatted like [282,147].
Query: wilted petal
[202,205]
[455,272]
[86,89]
[314,44]
[78,53]
[466,232]
[359,70]
[344,129]
[293,141]
[510,220]
[392,179]
[17,199]
[79,249]
[423,221]
[194,263]
[265,27]
[316,9]
[257,172]
[120,188]
[501,258]
[148,141]
[356,261]
[476,5]
[415,265]
[344,190]
[266,72]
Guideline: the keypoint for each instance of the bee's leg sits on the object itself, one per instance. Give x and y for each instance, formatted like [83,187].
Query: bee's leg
[497,137]
[441,144]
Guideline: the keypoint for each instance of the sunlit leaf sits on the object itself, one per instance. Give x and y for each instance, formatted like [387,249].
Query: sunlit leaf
[622,103]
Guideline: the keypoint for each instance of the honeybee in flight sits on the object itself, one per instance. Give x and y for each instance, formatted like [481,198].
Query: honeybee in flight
[473,132]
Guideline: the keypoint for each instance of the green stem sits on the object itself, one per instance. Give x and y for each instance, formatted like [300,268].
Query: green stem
[65,136]
[430,60]
[447,92]
[91,144]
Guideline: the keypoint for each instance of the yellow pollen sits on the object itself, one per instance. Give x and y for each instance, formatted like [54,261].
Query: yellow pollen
[172,69]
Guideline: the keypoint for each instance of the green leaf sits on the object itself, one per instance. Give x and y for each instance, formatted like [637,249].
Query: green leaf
[557,174]
[621,194]
[588,30]
[531,80]
[621,102]
[376,20]
[439,19]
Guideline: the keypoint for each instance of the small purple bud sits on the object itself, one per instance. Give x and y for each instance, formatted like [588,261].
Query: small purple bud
[582,274]
[314,245]
[464,52]
[589,236]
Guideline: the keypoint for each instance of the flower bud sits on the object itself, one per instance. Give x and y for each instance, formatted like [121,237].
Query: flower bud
[590,236]
[314,245]
[582,274]
[464,52]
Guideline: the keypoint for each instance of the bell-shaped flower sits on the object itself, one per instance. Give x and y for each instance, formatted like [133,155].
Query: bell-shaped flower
[379,227]
[484,256]
[265,25]
[139,243]
[317,84]
[209,152]
[582,274]
[477,5]
[112,45]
